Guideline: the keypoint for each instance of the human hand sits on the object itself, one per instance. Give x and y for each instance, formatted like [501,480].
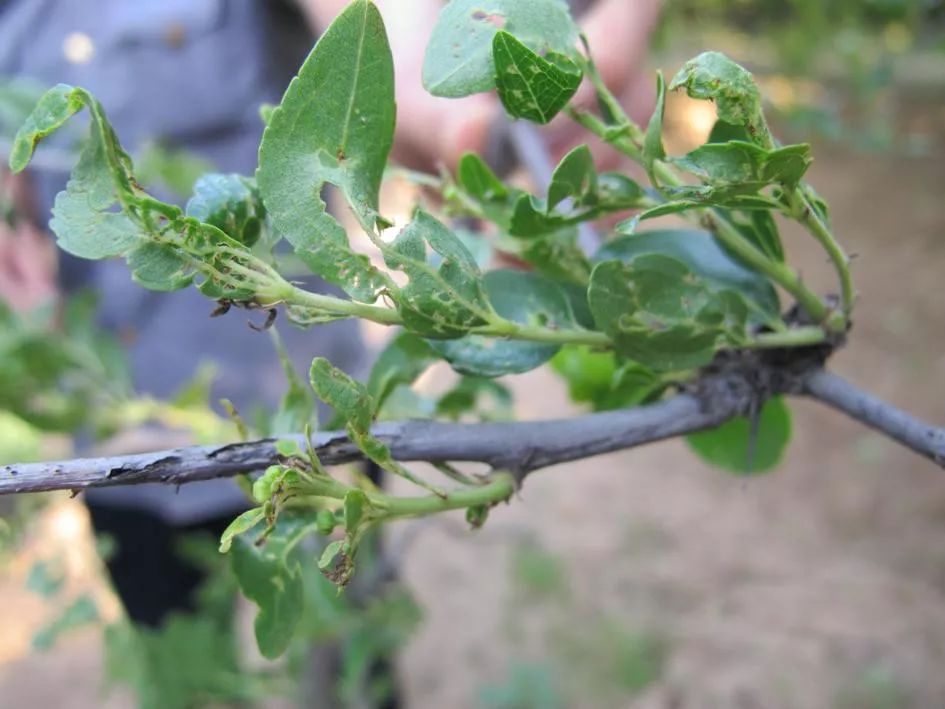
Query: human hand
[27,267]
[27,258]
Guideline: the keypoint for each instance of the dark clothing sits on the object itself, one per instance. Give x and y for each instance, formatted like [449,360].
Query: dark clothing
[149,574]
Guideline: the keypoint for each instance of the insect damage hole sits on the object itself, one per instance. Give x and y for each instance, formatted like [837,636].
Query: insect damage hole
[495,19]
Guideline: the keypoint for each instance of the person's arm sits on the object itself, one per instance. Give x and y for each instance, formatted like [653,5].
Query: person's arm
[619,34]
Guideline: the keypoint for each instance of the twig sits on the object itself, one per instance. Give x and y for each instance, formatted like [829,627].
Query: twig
[838,393]
[520,447]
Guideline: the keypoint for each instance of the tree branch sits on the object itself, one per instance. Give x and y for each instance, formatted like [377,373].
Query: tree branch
[839,394]
[731,388]
[519,447]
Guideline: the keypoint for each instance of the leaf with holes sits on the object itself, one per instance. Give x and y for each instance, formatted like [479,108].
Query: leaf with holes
[335,125]
[530,86]
[459,58]
[355,406]
[661,314]
[743,167]
[713,76]
[524,298]
[231,203]
[103,212]
[444,297]
[702,254]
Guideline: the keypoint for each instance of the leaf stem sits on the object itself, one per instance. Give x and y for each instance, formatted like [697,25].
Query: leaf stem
[501,328]
[782,274]
[294,295]
[795,337]
[803,211]
[500,488]
[627,138]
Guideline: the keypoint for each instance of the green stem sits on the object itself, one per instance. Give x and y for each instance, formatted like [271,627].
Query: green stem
[514,331]
[795,337]
[499,489]
[777,271]
[804,212]
[631,146]
[388,316]
[293,295]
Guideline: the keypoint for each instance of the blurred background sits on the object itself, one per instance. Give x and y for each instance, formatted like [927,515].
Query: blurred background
[637,579]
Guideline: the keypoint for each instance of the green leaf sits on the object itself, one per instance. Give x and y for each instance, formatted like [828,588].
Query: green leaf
[273,582]
[159,267]
[660,313]
[485,399]
[440,301]
[761,230]
[524,298]
[699,197]
[558,256]
[531,217]
[713,76]
[231,203]
[84,219]
[82,216]
[703,255]
[177,170]
[335,125]
[355,406]
[243,523]
[478,179]
[54,108]
[742,167]
[347,396]
[483,187]
[601,380]
[617,192]
[576,194]
[653,149]
[575,177]
[355,503]
[103,212]
[530,86]
[730,446]
[404,359]
[459,59]
[723,132]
